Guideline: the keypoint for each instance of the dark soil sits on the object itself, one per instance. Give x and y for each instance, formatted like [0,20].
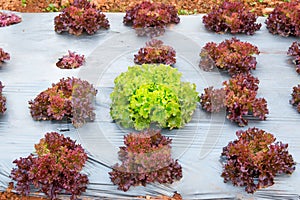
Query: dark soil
[261,7]
[10,195]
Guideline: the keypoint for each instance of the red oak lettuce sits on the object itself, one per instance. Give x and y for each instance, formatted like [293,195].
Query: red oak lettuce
[70,98]
[238,97]
[53,169]
[294,50]
[231,55]
[2,100]
[146,158]
[233,17]
[79,17]
[253,160]
[150,18]
[285,19]
[7,19]
[155,52]
[295,101]
[213,100]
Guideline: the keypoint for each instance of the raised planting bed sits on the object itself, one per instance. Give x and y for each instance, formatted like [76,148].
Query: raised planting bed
[34,47]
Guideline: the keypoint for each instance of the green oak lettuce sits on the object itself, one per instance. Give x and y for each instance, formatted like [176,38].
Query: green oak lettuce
[152,94]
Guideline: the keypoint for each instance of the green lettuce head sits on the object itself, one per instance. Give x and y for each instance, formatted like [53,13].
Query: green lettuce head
[152,94]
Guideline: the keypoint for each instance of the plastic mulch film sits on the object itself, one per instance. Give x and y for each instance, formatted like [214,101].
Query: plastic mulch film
[35,48]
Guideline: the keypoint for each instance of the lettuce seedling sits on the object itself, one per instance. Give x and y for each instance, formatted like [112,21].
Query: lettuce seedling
[71,61]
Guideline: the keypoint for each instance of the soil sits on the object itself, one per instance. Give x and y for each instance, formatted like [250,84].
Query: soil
[261,7]
[10,195]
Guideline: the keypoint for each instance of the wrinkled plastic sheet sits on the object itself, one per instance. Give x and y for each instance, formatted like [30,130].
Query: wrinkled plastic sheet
[35,48]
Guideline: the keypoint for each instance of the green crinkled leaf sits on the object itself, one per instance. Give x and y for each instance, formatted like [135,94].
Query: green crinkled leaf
[152,94]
